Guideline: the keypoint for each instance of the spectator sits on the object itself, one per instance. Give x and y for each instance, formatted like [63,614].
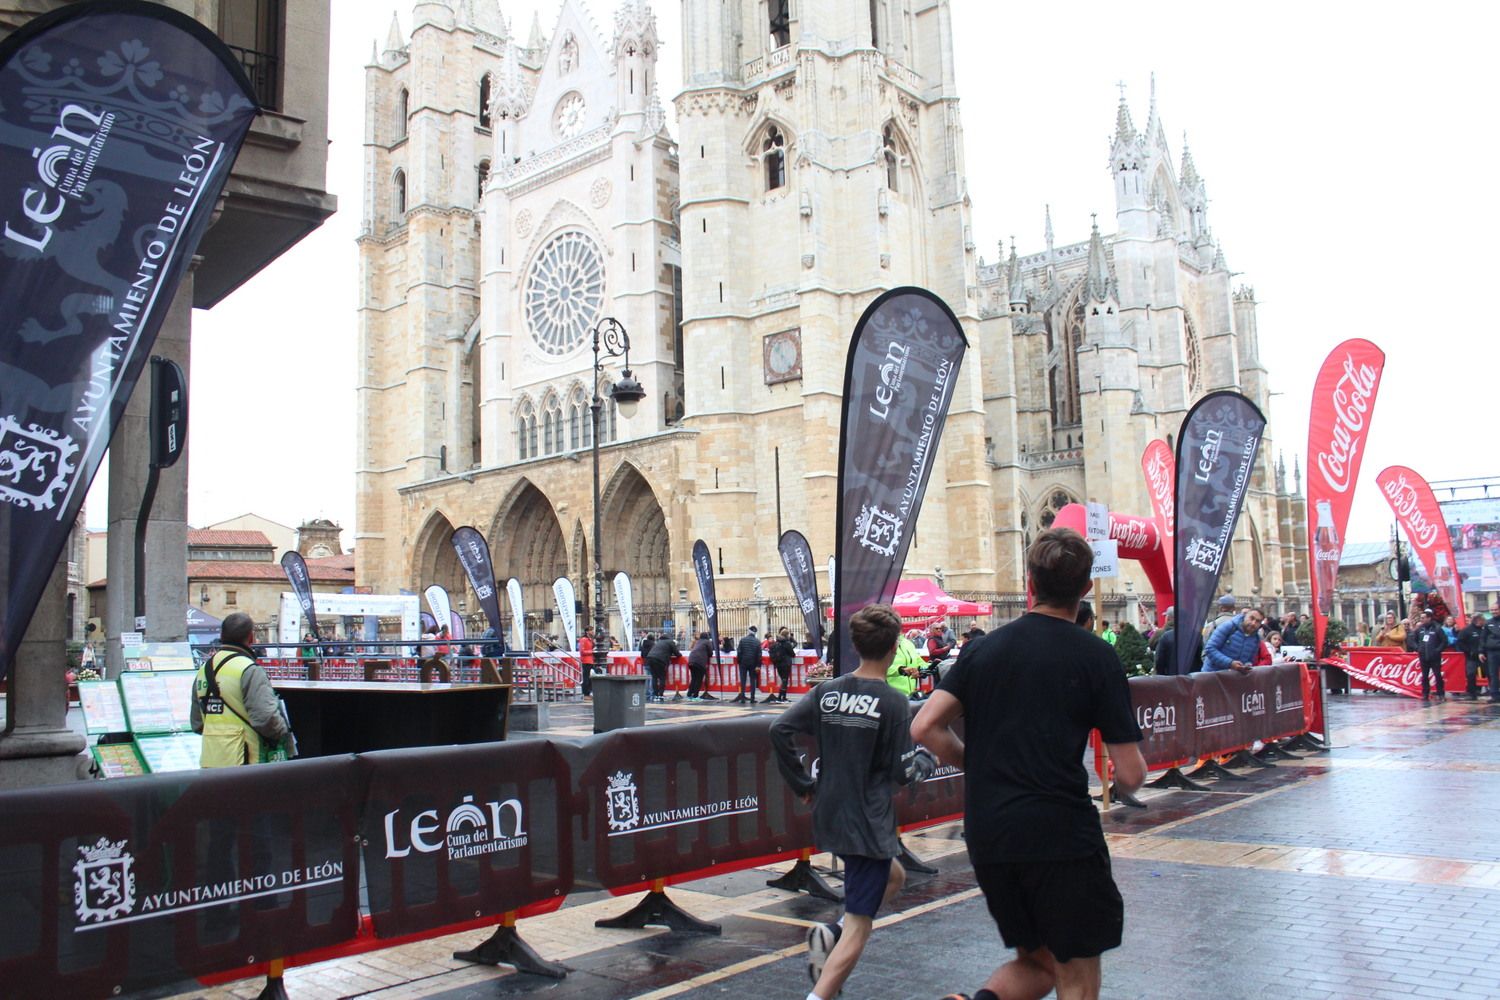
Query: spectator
[1392,633]
[1490,651]
[905,668]
[698,657]
[747,656]
[974,633]
[663,651]
[1234,644]
[586,660]
[783,652]
[938,648]
[1166,646]
[646,641]
[1450,630]
[1108,634]
[1428,642]
[234,705]
[726,645]
[1471,644]
[1226,612]
[1085,617]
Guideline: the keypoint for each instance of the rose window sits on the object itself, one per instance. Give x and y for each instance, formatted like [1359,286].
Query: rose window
[564,292]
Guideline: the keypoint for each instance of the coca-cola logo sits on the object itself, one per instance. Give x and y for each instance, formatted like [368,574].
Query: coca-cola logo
[1159,478]
[1353,395]
[1405,673]
[1407,505]
[1130,532]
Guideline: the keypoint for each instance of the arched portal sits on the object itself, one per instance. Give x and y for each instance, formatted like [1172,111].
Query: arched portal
[634,537]
[435,561]
[527,543]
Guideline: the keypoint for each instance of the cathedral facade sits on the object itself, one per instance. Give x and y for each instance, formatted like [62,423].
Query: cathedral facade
[520,191]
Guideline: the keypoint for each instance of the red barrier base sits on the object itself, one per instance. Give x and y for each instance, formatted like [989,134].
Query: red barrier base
[505,947]
[655,909]
[1173,777]
[803,877]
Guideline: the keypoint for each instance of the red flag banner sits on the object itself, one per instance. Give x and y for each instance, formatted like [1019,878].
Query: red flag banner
[1160,467]
[1420,517]
[1343,402]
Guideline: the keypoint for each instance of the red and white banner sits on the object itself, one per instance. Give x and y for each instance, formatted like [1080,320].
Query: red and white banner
[1160,467]
[1386,668]
[1343,402]
[1422,520]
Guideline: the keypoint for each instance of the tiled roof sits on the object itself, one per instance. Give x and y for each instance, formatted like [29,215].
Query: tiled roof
[215,536]
[342,564]
[266,571]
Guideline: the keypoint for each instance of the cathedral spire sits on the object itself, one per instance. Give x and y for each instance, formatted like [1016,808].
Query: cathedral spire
[1101,282]
[1296,474]
[1047,232]
[1281,472]
[536,41]
[1013,277]
[1188,175]
[1124,127]
[394,42]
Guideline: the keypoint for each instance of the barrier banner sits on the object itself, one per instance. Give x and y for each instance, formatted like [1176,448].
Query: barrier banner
[1343,402]
[295,568]
[625,601]
[1160,467]
[517,615]
[1422,521]
[1216,451]
[566,599]
[671,801]
[1163,710]
[703,569]
[899,378]
[455,833]
[442,607]
[1203,714]
[114,886]
[797,557]
[119,124]
[1387,668]
[474,556]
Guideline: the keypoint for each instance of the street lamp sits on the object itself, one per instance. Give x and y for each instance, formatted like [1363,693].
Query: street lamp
[610,341]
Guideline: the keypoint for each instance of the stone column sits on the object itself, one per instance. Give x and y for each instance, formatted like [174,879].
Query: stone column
[166,532]
[37,747]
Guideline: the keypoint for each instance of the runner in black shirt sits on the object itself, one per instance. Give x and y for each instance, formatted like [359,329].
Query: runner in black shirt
[1029,694]
[862,726]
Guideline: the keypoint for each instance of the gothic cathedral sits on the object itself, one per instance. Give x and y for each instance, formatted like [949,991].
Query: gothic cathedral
[519,191]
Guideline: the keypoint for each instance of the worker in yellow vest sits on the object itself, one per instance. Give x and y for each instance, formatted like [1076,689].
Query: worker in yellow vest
[234,705]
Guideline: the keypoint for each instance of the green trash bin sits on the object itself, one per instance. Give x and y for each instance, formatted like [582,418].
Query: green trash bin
[619,701]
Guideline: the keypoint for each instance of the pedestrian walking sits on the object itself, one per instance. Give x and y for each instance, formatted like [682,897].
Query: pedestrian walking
[861,728]
[1029,694]
[783,652]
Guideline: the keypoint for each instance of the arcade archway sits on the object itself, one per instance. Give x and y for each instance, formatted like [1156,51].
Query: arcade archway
[527,543]
[634,538]
[435,561]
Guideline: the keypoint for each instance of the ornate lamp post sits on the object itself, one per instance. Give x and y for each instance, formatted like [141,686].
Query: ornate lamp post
[610,341]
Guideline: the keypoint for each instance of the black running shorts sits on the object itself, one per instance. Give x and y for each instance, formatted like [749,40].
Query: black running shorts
[864,883]
[1072,907]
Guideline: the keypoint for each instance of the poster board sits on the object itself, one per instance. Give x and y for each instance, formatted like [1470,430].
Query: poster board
[103,708]
[176,752]
[157,701]
[162,656]
[118,760]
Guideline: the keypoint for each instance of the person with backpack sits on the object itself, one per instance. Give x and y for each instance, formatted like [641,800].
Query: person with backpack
[235,707]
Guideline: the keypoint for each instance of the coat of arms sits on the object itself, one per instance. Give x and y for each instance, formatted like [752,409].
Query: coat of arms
[103,884]
[1204,554]
[35,463]
[624,806]
[877,529]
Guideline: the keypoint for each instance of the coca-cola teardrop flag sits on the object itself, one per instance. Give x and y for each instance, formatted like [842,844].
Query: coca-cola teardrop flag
[703,569]
[295,568]
[899,378]
[474,556]
[1216,451]
[1160,467]
[797,557]
[1338,425]
[119,124]
[1422,520]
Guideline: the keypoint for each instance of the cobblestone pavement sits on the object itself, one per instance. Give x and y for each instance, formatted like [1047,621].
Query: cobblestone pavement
[1369,872]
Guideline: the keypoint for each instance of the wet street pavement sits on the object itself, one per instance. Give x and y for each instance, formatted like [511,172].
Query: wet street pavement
[1372,871]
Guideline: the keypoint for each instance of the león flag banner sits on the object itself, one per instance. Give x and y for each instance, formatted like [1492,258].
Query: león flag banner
[1216,451]
[119,123]
[1338,424]
[474,556]
[625,601]
[1160,467]
[797,557]
[441,605]
[517,615]
[295,568]
[1422,520]
[899,378]
[703,569]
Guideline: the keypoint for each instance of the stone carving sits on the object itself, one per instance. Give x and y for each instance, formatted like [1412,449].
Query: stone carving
[600,191]
[523,223]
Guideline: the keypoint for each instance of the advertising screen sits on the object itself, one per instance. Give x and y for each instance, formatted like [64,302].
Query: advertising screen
[1475,528]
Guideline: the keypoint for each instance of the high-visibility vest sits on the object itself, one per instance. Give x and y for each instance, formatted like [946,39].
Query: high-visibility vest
[228,739]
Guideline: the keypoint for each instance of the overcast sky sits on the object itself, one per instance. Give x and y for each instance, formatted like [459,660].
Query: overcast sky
[1345,151]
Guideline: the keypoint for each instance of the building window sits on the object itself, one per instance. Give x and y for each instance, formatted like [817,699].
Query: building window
[875,23]
[398,193]
[781,21]
[552,426]
[892,158]
[403,110]
[252,31]
[526,432]
[1194,356]
[580,421]
[484,177]
[484,101]
[564,292]
[773,151]
[231,597]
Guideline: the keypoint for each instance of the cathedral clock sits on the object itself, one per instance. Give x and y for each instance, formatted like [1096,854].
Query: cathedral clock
[783,356]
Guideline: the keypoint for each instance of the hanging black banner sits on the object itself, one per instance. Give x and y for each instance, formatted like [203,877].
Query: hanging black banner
[898,381]
[1216,451]
[474,555]
[797,557]
[703,567]
[296,573]
[119,123]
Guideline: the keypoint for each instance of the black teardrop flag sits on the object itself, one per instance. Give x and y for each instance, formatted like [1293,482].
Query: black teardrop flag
[797,557]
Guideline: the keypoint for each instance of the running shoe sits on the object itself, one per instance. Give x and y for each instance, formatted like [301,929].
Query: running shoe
[820,941]
[708,697]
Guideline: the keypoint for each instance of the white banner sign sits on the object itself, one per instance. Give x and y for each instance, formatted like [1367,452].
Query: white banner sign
[517,614]
[437,600]
[625,601]
[567,609]
[1106,558]
[1098,521]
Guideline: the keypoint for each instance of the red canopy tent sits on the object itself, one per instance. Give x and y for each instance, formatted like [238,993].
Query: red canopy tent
[924,599]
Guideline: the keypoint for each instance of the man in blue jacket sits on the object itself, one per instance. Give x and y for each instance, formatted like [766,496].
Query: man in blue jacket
[1233,645]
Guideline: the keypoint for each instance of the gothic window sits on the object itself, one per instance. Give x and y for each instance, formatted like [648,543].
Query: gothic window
[875,23]
[1056,501]
[1063,378]
[607,418]
[398,193]
[564,292]
[773,152]
[484,176]
[1194,356]
[579,421]
[892,158]
[484,101]
[780,12]
[526,431]
[552,425]
[403,109]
